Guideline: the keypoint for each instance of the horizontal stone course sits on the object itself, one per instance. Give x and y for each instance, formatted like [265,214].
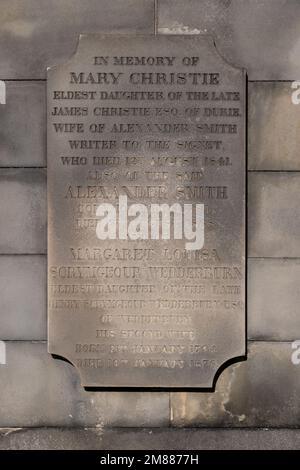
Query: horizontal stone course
[273,213]
[273,227]
[41,34]
[38,390]
[149,439]
[272,295]
[262,36]
[260,392]
[272,126]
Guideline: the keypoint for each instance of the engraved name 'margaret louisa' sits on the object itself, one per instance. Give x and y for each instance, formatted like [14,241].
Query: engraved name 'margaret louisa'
[146,193]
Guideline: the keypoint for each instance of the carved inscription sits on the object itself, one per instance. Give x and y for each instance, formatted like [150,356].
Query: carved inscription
[158,119]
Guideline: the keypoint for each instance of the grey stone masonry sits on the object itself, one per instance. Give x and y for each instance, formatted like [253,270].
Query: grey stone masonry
[260,392]
[39,33]
[23,211]
[274,215]
[273,223]
[148,438]
[273,299]
[262,36]
[273,137]
[23,287]
[272,295]
[39,390]
[23,125]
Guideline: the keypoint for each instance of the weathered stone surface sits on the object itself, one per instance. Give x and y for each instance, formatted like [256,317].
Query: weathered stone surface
[185,299]
[273,132]
[23,125]
[273,299]
[22,211]
[38,390]
[262,36]
[148,439]
[273,214]
[38,33]
[23,281]
[262,391]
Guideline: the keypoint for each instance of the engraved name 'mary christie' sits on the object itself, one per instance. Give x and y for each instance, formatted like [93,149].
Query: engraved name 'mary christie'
[158,119]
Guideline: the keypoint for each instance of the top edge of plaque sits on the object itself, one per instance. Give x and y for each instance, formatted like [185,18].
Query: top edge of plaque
[84,38]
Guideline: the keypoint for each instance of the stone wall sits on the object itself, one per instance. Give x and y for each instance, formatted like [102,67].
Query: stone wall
[42,404]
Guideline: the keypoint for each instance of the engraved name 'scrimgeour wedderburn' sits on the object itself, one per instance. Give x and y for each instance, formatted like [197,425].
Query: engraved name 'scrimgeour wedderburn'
[160,120]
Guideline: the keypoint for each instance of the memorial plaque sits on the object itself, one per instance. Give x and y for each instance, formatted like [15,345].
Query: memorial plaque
[146,197]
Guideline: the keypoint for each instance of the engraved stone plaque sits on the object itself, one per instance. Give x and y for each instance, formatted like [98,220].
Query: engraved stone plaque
[138,126]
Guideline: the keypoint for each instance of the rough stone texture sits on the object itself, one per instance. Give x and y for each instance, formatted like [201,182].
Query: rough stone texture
[149,439]
[23,125]
[261,392]
[273,299]
[273,215]
[22,211]
[38,390]
[23,285]
[273,133]
[40,33]
[262,36]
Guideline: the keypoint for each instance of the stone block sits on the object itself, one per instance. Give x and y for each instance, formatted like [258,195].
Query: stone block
[273,215]
[39,33]
[39,390]
[262,36]
[23,286]
[148,439]
[23,211]
[273,299]
[23,125]
[273,132]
